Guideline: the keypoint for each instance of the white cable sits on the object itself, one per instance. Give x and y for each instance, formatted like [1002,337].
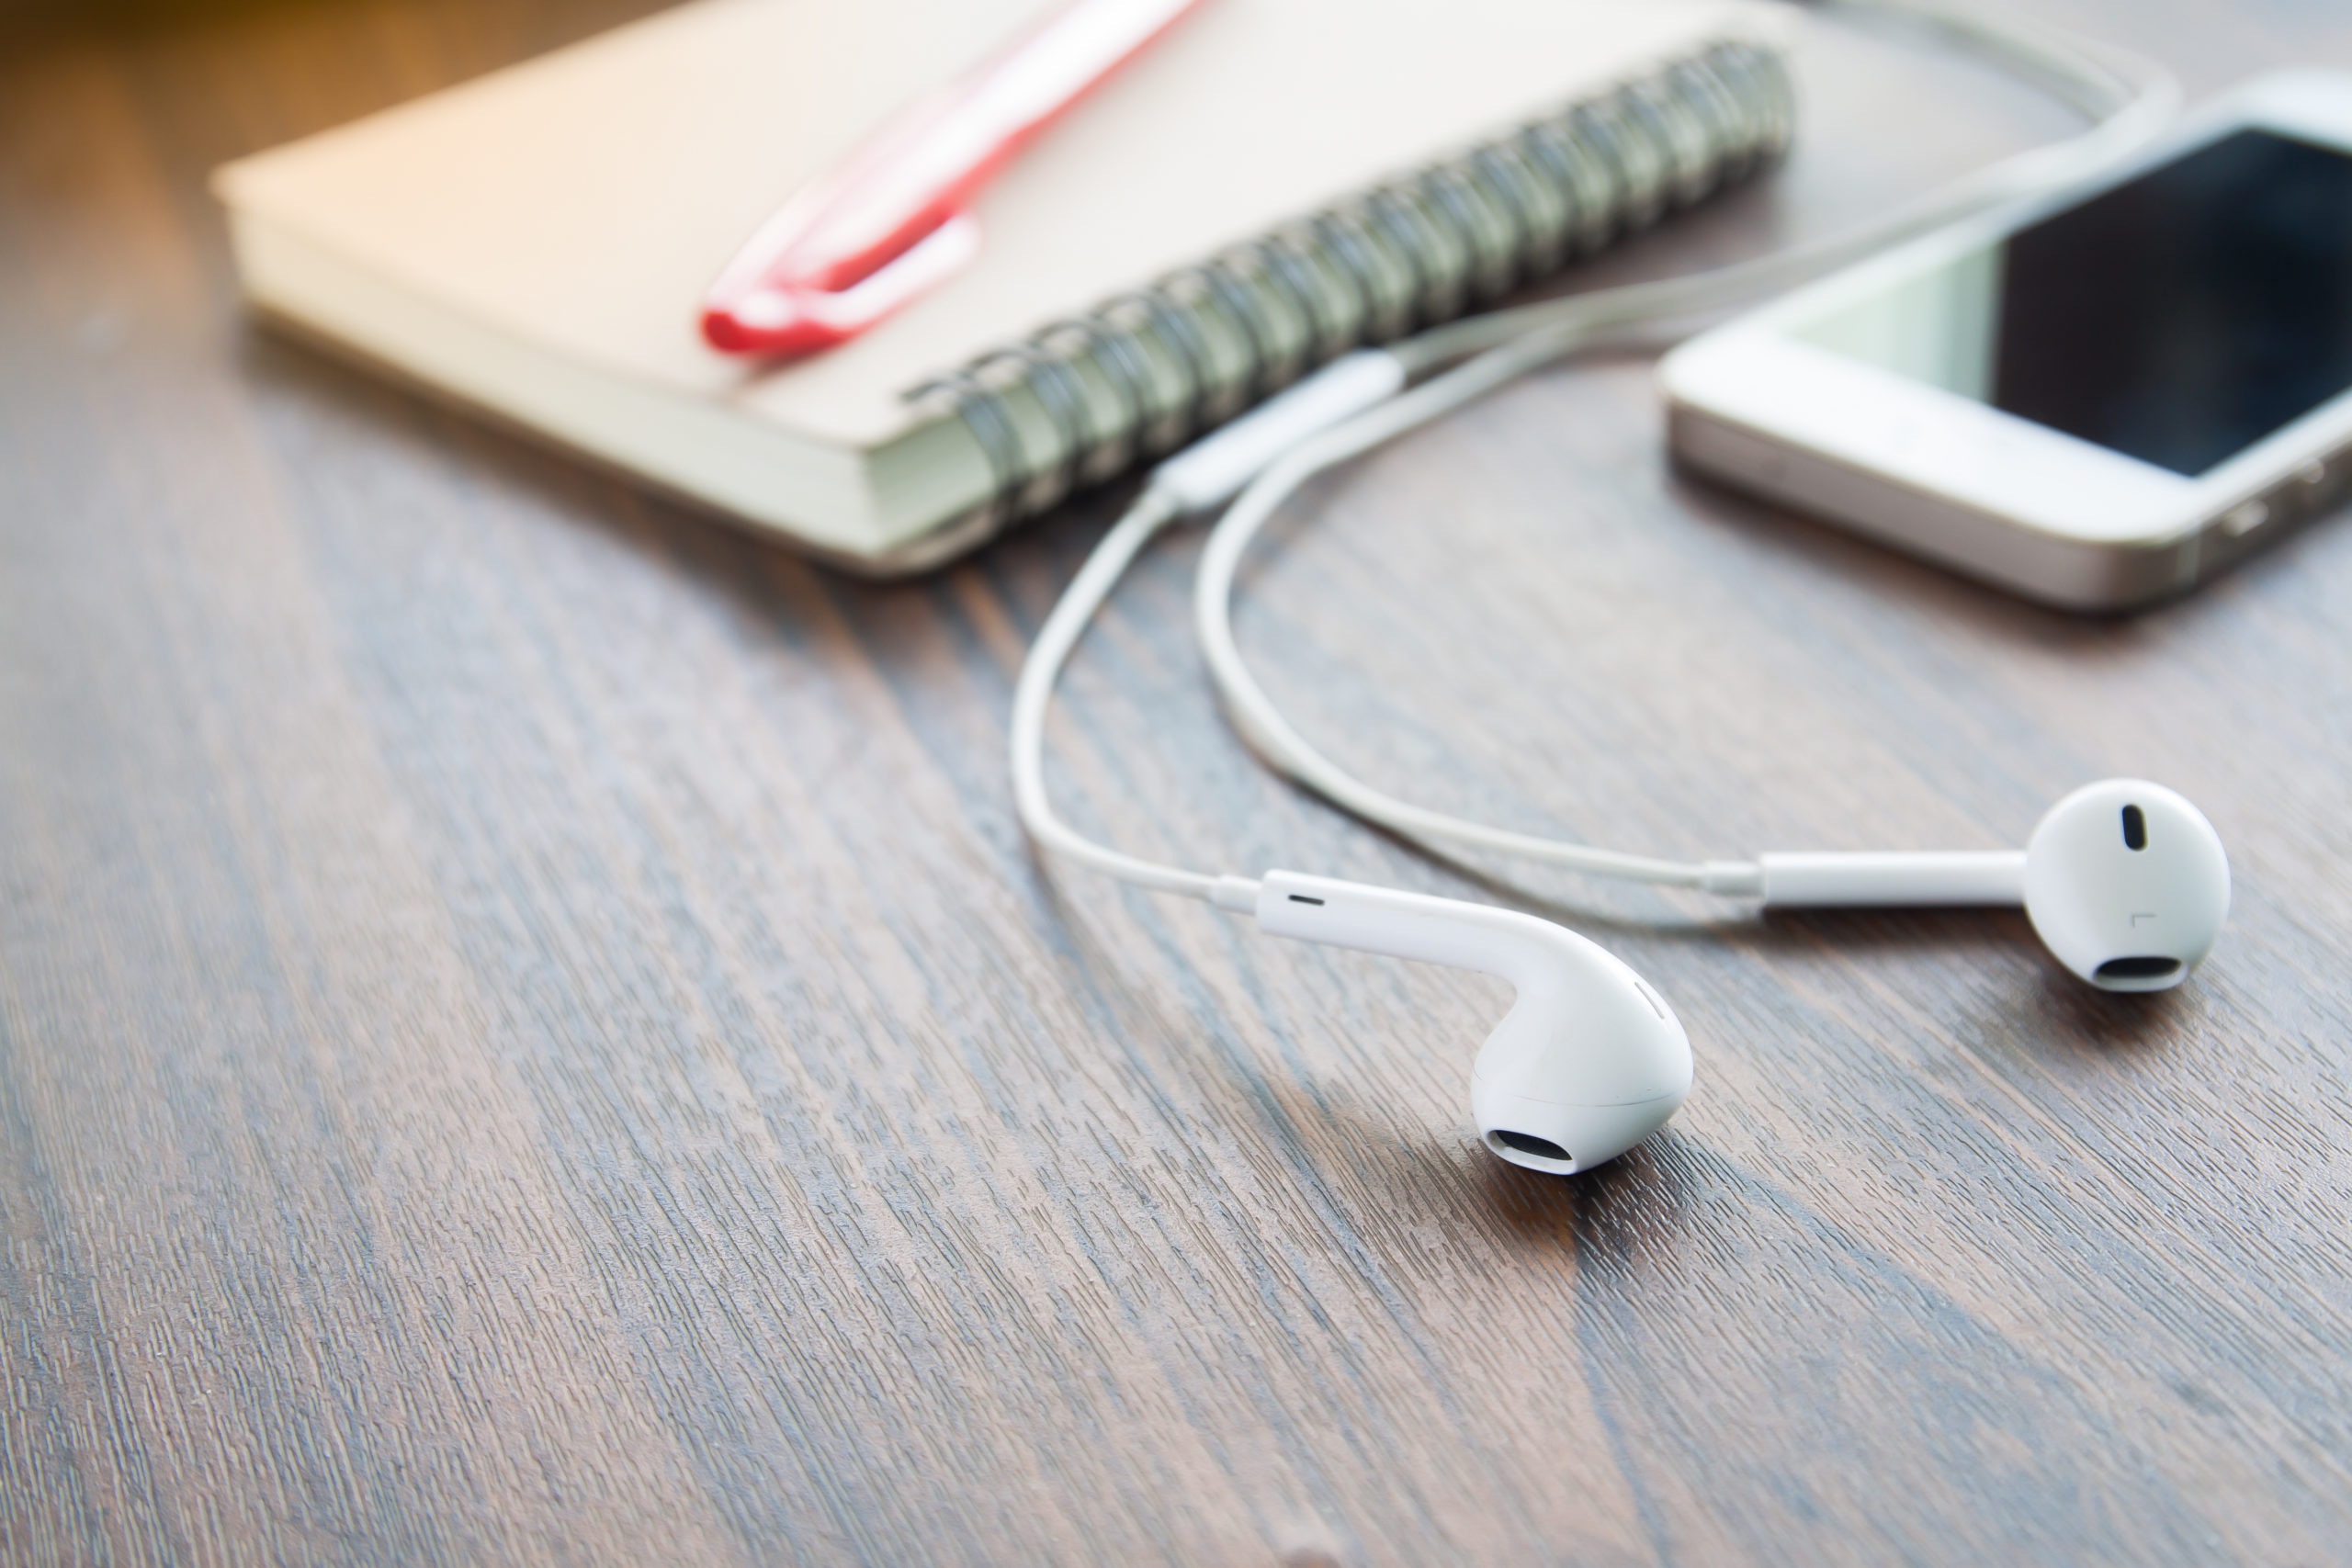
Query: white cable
[2129,99]
[2132,100]
[1202,475]
[2139,105]
[1144,520]
[1268,732]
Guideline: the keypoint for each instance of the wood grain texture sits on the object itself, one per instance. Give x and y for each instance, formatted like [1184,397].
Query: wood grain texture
[530,1032]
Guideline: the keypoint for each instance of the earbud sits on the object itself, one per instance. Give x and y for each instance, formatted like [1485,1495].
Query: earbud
[2125,883]
[1588,1062]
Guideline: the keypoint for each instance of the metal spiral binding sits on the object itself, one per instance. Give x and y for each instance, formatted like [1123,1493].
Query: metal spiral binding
[1083,399]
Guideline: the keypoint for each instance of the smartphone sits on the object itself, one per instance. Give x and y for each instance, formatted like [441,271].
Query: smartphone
[2098,399]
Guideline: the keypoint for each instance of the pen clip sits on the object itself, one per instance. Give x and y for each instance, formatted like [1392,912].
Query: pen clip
[785,318]
[891,223]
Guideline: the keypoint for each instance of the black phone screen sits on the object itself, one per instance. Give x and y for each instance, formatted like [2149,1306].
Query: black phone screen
[2177,318]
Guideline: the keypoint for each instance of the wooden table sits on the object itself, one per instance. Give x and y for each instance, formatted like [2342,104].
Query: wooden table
[529,1032]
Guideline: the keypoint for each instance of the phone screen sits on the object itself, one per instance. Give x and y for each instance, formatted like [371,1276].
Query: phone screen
[2178,318]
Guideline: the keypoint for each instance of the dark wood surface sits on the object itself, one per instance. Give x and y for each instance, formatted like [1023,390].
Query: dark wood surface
[528,1031]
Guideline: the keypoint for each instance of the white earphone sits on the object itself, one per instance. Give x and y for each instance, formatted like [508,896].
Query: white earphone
[1588,1062]
[2125,882]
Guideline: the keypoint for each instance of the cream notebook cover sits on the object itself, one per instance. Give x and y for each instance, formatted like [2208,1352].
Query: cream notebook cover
[537,241]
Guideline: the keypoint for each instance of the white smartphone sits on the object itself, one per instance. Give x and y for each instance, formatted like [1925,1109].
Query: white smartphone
[2097,398]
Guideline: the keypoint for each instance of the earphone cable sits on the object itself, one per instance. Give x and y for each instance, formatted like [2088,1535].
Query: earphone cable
[2129,98]
[2134,97]
[1033,695]
[1268,732]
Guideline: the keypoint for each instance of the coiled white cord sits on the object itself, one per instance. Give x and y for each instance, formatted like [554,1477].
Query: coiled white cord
[1354,405]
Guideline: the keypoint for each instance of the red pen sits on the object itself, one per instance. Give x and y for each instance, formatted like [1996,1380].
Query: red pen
[890,223]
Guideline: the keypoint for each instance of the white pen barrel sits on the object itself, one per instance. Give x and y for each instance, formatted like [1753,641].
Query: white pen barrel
[1914,878]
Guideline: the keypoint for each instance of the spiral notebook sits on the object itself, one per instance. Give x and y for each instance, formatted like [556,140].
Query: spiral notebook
[1273,183]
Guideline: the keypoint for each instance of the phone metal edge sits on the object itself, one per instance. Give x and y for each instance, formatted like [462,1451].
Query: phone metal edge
[2060,569]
